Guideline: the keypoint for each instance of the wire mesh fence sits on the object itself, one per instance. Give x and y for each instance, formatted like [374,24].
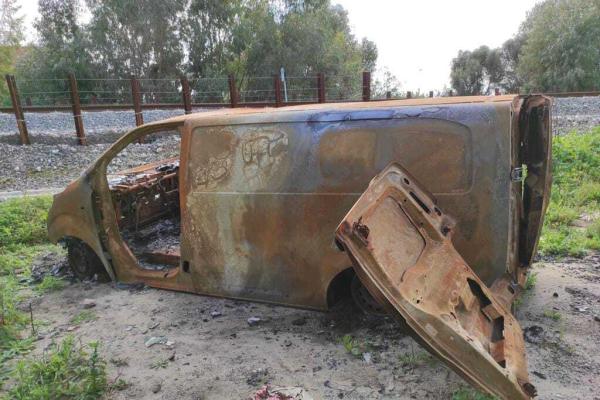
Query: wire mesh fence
[258,89]
[301,89]
[160,91]
[343,88]
[104,91]
[44,92]
[210,90]
[80,94]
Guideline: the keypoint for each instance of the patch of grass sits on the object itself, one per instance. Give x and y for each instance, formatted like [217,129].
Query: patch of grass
[50,284]
[23,221]
[159,364]
[120,385]
[354,346]
[21,257]
[119,362]
[575,192]
[67,371]
[22,239]
[552,314]
[470,394]
[83,316]
[531,280]
[417,359]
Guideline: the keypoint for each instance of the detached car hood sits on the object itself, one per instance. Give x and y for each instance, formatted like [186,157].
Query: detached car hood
[399,243]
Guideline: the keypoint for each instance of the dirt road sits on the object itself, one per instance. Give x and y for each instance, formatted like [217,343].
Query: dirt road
[216,354]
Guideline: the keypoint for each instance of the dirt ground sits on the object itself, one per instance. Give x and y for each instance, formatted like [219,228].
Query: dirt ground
[216,354]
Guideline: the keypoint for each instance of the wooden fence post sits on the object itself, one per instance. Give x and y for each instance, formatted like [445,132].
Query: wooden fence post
[137,101]
[366,86]
[187,95]
[233,94]
[321,87]
[17,109]
[76,105]
[277,89]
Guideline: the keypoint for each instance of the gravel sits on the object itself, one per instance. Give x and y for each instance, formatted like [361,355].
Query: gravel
[54,158]
[575,114]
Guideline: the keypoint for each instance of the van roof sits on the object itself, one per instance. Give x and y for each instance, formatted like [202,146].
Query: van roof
[201,117]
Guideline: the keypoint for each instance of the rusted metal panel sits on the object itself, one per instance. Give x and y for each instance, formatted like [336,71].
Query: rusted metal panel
[400,243]
[255,193]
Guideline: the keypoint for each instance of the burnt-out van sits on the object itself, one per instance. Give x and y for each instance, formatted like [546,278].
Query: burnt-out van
[244,203]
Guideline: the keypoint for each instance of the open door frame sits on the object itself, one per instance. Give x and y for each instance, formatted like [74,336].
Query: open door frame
[400,244]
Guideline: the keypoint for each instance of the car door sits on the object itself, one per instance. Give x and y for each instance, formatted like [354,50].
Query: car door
[400,244]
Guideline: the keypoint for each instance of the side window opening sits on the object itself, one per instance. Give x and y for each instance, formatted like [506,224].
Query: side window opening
[144,182]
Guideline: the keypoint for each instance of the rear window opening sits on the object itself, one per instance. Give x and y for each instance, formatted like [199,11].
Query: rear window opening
[144,183]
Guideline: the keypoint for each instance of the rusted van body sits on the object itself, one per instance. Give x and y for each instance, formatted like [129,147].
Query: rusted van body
[260,192]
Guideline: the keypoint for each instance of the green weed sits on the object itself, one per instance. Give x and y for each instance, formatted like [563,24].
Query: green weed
[83,316]
[50,284]
[159,364]
[552,314]
[353,346]
[531,281]
[68,371]
[417,359]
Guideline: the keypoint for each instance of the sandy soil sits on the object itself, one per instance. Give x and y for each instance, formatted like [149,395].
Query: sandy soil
[223,357]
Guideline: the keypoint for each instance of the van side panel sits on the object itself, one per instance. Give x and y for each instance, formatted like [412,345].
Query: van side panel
[263,199]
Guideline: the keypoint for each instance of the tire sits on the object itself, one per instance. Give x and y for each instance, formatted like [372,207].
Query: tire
[363,299]
[84,262]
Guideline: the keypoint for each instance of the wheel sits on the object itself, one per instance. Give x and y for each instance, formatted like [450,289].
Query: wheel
[84,262]
[363,299]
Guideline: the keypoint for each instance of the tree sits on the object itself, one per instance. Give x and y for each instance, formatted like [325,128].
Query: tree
[11,36]
[206,28]
[136,37]
[477,72]
[61,49]
[11,25]
[562,49]
[388,83]
[304,37]
[510,54]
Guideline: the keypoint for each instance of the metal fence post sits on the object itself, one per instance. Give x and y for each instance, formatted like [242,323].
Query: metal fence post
[76,105]
[277,89]
[137,101]
[321,87]
[366,86]
[187,95]
[233,94]
[17,109]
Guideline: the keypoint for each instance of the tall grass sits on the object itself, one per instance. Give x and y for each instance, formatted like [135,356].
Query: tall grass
[572,224]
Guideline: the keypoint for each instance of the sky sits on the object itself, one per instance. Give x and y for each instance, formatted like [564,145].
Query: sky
[416,39]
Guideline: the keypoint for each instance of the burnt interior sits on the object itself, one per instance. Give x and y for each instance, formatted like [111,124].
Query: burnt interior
[146,201]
